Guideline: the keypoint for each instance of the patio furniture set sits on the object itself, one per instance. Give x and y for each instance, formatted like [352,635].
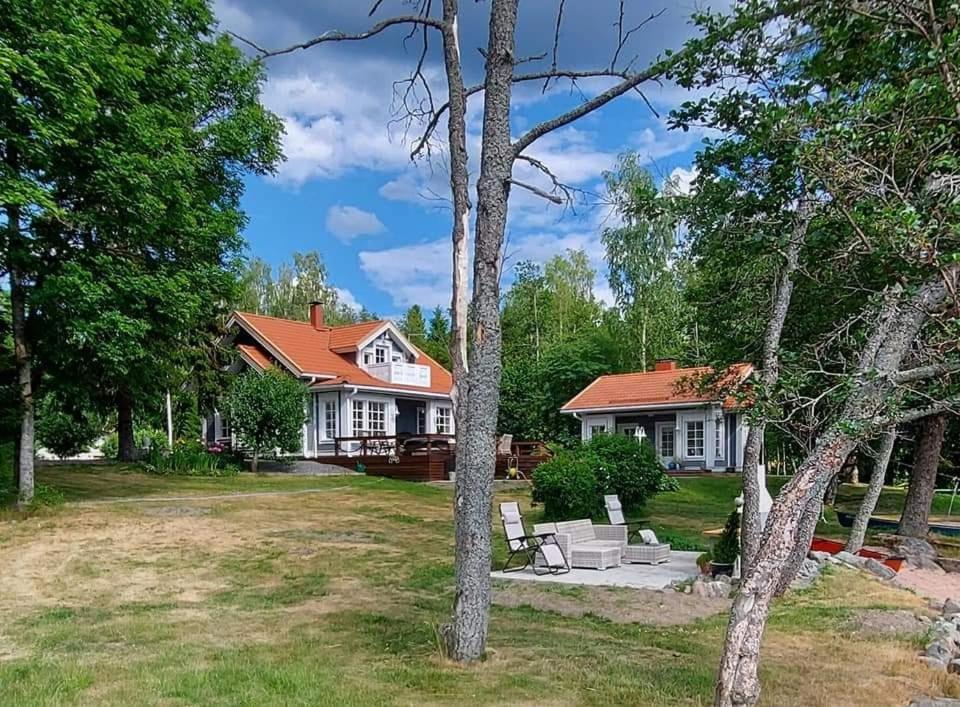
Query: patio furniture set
[555,548]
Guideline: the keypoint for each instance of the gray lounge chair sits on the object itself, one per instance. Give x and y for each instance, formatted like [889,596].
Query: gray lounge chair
[648,550]
[539,550]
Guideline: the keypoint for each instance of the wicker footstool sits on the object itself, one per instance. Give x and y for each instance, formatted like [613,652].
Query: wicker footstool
[651,554]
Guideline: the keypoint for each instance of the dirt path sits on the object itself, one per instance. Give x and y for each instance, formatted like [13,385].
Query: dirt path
[212,497]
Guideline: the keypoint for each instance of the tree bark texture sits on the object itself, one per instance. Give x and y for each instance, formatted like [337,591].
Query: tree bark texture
[750,528]
[467,635]
[24,365]
[923,477]
[808,526]
[460,189]
[126,444]
[897,325]
[859,530]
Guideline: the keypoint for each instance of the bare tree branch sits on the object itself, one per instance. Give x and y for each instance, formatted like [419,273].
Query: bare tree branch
[338,36]
[555,198]
[920,373]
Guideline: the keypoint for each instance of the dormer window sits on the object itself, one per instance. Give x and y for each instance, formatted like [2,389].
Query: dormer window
[380,354]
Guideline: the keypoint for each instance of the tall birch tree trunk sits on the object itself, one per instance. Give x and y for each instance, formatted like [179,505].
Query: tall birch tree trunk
[476,454]
[893,333]
[859,530]
[914,521]
[750,528]
[24,365]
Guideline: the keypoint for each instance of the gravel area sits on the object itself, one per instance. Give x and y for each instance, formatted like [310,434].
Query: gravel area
[932,583]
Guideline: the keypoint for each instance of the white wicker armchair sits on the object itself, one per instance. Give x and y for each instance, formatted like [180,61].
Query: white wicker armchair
[587,545]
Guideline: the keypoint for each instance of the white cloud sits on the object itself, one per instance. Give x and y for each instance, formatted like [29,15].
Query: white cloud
[681,180]
[412,274]
[348,222]
[347,297]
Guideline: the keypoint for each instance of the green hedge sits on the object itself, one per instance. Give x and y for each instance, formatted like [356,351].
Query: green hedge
[573,483]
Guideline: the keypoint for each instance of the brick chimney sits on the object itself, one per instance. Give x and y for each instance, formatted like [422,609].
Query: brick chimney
[316,315]
[665,364]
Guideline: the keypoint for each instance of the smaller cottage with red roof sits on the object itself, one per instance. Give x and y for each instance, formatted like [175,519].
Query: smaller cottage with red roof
[690,415]
[365,380]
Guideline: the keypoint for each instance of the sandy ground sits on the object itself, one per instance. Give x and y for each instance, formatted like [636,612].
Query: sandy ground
[621,606]
[933,584]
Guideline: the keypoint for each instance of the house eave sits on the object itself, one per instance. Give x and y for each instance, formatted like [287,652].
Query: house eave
[377,389]
[643,407]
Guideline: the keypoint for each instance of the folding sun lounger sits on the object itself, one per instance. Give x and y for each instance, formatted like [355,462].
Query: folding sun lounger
[539,551]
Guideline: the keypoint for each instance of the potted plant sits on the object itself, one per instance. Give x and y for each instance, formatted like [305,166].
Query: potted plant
[703,562]
[727,548]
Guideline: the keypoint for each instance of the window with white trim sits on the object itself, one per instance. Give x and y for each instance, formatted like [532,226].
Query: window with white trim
[380,354]
[358,418]
[597,430]
[376,418]
[329,419]
[718,441]
[695,438]
[666,442]
[443,419]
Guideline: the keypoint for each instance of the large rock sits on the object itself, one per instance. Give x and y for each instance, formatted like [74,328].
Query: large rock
[917,552]
[939,650]
[878,568]
[848,558]
[951,607]
[819,556]
[711,589]
[934,702]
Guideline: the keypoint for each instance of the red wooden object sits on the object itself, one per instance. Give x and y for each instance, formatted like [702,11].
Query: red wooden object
[833,547]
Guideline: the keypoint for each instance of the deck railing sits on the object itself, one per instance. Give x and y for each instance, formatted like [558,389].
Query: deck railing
[416,445]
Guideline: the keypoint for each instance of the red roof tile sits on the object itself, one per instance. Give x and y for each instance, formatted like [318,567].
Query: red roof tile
[308,351]
[256,355]
[678,385]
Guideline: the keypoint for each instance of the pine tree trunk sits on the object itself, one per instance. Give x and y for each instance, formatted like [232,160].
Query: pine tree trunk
[466,637]
[914,521]
[859,530]
[750,528]
[126,444]
[738,682]
[893,333]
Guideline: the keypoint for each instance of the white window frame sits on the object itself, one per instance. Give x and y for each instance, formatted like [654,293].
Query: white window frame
[376,414]
[381,354]
[719,451]
[669,427]
[598,429]
[688,426]
[358,417]
[421,419]
[443,420]
[329,420]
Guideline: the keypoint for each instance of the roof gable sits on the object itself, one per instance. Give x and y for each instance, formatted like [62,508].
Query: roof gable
[308,352]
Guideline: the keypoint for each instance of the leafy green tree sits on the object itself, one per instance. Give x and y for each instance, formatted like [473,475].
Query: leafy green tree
[288,292]
[640,254]
[65,428]
[437,344]
[414,327]
[267,412]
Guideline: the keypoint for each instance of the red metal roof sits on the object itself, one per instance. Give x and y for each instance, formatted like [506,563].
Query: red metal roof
[307,351]
[659,387]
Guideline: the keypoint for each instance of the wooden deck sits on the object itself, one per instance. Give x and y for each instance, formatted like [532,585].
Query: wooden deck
[432,461]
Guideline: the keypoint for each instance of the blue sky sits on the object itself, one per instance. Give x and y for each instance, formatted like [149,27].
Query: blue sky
[348,188]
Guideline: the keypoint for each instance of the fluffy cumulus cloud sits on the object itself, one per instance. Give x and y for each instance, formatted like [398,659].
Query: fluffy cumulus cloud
[413,274]
[347,297]
[348,222]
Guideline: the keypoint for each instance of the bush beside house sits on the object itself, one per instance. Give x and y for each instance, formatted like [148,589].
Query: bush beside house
[267,411]
[573,483]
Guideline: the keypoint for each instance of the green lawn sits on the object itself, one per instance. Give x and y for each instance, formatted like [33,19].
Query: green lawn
[334,598]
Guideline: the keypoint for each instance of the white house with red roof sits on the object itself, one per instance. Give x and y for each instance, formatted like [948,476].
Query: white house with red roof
[365,380]
[691,415]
